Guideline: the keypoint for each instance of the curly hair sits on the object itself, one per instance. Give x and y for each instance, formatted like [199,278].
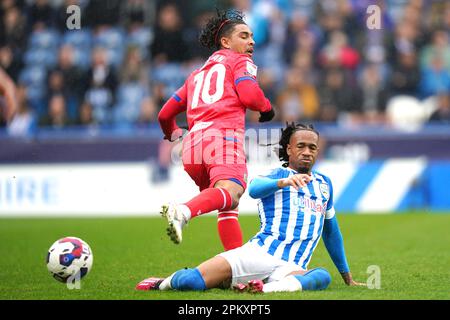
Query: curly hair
[286,135]
[219,26]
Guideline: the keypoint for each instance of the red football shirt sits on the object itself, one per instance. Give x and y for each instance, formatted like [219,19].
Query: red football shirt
[210,92]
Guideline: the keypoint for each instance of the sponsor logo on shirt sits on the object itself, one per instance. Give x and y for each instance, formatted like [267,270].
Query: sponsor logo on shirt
[252,69]
[310,204]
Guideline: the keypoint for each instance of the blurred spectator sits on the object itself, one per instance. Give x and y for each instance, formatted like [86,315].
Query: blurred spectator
[86,115]
[267,83]
[148,114]
[57,116]
[337,96]
[102,83]
[196,51]
[68,79]
[55,83]
[138,20]
[374,96]
[270,53]
[337,53]
[446,16]
[349,20]
[112,39]
[41,14]
[169,44]
[133,89]
[439,46]
[405,77]
[435,78]
[303,61]
[329,21]
[133,68]
[101,12]
[137,12]
[438,15]
[7,4]
[24,122]
[299,28]
[413,12]
[298,100]
[404,40]
[10,62]
[442,113]
[159,93]
[13,30]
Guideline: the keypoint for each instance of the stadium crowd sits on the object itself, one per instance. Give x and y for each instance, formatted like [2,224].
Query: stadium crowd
[318,60]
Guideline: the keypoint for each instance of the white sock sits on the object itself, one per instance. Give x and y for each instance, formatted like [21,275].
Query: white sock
[165,285]
[288,284]
[185,211]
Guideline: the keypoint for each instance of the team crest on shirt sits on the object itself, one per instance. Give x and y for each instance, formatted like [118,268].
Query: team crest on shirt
[252,69]
[325,190]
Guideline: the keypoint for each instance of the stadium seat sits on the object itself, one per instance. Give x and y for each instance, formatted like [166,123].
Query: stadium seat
[80,39]
[82,58]
[44,39]
[141,38]
[41,57]
[111,38]
[34,79]
[100,100]
[172,75]
[115,56]
[33,76]
[128,108]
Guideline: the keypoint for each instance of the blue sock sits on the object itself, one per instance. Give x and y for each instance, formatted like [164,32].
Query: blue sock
[315,279]
[188,279]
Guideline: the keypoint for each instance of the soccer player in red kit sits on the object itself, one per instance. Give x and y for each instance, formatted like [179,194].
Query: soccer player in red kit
[215,98]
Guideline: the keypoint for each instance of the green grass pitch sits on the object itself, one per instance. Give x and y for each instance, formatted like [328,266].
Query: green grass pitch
[411,250]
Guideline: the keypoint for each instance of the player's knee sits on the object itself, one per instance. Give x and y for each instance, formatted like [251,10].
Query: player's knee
[188,279]
[236,199]
[235,190]
[236,193]
[324,277]
[315,279]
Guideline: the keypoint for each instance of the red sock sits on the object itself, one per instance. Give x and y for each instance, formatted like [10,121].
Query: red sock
[229,229]
[209,200]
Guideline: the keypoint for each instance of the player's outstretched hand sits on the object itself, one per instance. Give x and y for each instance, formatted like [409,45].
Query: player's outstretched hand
[298,181]
[176,134]
[348,279]
[266,116]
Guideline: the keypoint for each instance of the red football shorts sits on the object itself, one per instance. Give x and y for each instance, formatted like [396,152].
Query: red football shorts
[209,158]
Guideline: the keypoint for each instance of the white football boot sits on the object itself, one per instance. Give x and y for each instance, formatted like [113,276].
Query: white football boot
[176,221]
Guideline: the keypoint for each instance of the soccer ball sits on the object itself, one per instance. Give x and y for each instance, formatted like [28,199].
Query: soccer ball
[69,259]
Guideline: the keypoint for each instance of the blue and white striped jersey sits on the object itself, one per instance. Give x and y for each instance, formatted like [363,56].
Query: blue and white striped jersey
[292,220]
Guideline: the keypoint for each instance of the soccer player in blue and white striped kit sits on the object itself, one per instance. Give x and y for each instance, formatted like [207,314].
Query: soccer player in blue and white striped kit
[296,208]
